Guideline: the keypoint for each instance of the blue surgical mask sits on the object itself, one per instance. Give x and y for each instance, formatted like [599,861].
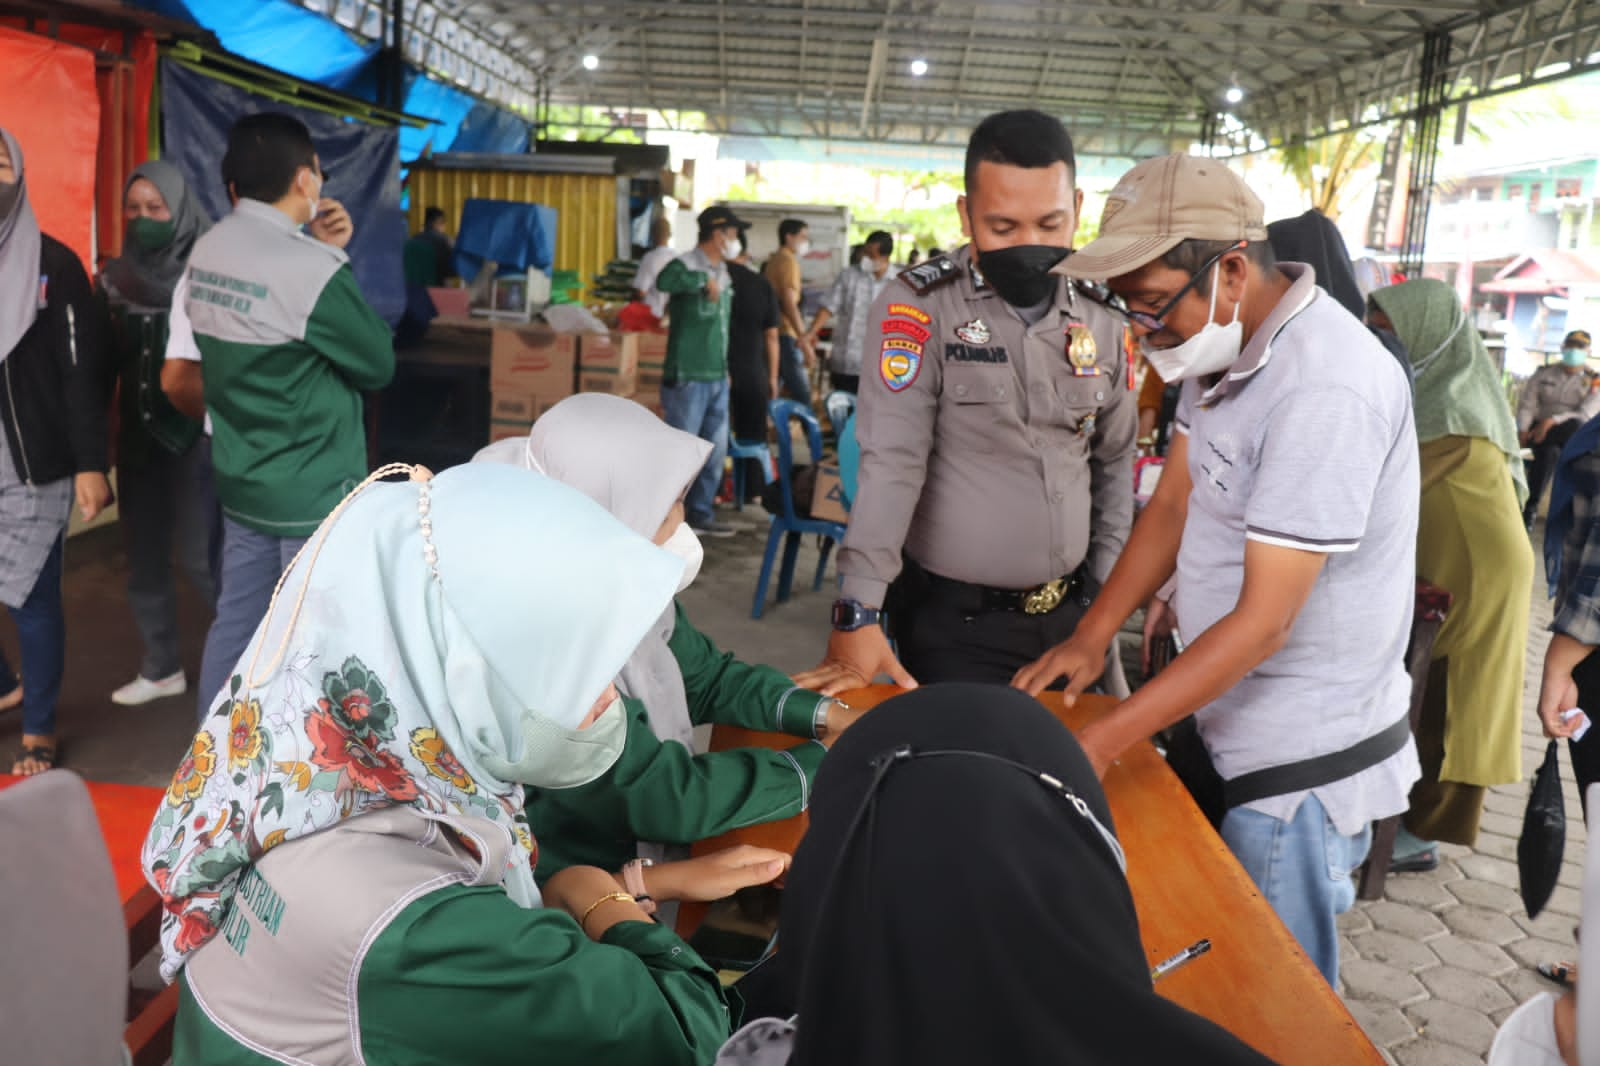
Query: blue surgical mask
[1574,356]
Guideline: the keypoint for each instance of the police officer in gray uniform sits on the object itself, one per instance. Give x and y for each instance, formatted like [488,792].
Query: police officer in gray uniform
[1556,400]
[997,429]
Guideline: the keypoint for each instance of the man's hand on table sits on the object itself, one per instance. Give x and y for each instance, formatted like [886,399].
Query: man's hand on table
[852,661]
[1079,659]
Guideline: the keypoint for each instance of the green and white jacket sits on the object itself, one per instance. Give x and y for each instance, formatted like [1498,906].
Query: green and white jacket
[287,345]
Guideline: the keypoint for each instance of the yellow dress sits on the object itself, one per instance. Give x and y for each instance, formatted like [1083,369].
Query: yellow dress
[1472,543]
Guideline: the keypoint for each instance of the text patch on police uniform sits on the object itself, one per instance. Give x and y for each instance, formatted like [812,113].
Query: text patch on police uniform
[916,332]
[911,312]
[899,363]
[967,353]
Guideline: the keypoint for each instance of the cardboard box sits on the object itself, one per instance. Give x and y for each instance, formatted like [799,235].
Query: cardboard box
[827,500]
[609,381]
[652,347]
[512,412]
[499,431]
[650,398]
[533,359]
[608,363]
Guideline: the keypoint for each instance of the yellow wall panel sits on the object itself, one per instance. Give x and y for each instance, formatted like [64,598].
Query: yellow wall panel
[586,208]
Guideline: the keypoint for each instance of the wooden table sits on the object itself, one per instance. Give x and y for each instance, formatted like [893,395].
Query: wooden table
[124,813]
[1256,981]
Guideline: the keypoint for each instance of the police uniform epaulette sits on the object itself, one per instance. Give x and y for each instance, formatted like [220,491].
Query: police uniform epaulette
[925,277]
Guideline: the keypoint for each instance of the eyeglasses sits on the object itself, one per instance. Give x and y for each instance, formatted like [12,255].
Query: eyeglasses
[1156,322]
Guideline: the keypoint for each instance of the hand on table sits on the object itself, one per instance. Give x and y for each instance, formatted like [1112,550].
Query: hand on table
[1079,660]
[852,661]
[332,224]
[715,876]
[93,492]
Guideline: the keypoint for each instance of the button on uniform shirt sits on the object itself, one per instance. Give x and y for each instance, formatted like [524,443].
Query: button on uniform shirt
[1558,393]
[984,455]
[850,302]
[1308,442]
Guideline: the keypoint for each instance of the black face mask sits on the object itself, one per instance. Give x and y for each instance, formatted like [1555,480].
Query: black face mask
[1021,274]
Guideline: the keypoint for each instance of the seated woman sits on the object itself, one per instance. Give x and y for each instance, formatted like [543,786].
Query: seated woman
[1470,542]
[637,467]
[960,898]
[345,864]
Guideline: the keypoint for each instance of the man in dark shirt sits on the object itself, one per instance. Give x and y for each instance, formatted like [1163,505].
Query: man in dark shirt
[752,358]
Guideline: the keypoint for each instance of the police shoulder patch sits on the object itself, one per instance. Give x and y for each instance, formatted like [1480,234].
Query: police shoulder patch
[925,277]
[899,363]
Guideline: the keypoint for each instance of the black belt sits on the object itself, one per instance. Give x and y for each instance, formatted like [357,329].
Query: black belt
[1318,771]
[1041,599]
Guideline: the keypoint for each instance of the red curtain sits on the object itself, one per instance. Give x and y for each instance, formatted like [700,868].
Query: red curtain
[50,102]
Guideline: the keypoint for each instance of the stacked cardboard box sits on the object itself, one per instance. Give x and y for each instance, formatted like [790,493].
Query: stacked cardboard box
[531,369]
[608,362]
[652,361]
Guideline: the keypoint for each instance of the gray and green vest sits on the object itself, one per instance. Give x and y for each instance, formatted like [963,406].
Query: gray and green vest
[287,345]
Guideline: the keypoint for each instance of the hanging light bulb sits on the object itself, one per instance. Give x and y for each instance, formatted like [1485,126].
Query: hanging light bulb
[919,67]
[591,62]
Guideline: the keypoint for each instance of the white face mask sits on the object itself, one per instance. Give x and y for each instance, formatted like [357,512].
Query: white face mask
[1215,348]
[730,249]
[685,545]
[802,249]
[316,202]
[555,757]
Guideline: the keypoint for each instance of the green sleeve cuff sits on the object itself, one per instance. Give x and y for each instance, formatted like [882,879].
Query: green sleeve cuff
[796,713]
[807,760]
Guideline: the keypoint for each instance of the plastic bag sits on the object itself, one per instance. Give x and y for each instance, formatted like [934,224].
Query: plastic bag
[1544,835]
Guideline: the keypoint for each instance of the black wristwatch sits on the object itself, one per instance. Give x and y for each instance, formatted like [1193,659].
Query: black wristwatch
[851,615]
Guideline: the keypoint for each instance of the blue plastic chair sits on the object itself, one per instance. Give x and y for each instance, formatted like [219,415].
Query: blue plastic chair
[747,449]
[790,526]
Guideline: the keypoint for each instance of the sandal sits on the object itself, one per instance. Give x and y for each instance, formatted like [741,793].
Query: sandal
[43,756]
[1564,974]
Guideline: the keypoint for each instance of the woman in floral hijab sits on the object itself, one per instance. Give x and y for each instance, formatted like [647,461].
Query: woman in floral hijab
[419,665]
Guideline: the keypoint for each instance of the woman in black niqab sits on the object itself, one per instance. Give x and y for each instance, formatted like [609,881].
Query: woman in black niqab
[950,904]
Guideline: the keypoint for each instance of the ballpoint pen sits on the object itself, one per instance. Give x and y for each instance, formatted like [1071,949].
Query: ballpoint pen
[1166,966]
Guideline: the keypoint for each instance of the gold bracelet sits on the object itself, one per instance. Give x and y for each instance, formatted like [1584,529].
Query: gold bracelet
[619,897]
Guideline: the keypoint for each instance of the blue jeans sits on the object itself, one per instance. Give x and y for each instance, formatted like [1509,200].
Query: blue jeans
[42,633]
[701,408]
[792,370]
[251,565]
[1303,869]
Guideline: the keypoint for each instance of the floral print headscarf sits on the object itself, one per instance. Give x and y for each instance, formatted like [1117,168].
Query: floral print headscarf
[424,622]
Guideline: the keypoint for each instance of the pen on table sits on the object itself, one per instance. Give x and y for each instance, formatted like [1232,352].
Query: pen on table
[1166,966]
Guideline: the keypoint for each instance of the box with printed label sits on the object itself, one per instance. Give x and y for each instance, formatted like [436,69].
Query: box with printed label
[513,411]
[827,499]
[608,363]
[651,399]
[533,359]
[609,381]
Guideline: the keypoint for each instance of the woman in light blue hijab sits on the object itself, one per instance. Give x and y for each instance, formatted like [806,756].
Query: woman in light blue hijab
[345,863]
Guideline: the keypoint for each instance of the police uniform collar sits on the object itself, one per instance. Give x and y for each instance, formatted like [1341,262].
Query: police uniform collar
[980,287]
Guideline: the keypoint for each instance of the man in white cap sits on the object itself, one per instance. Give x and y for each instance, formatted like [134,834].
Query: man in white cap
[1288,513]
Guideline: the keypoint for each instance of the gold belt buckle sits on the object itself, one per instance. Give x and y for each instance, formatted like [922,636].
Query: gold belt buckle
[1045,598]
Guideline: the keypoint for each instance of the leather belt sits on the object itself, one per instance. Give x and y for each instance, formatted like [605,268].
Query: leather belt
[1040,599]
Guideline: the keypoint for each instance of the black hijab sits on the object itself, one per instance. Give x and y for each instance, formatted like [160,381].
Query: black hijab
[956,909]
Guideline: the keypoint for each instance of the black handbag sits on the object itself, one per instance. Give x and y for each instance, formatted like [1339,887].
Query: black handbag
[1544,835]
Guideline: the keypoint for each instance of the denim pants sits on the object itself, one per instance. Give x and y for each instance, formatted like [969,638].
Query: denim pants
[1302,867]
[251,565]
[42,633]
[792,375]
[165,503]
[701,408]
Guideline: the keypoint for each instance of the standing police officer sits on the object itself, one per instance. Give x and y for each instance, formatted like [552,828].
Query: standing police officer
[1556,400]
[997,430]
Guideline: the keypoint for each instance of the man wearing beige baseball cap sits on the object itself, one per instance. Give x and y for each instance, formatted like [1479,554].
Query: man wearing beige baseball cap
[1287,511]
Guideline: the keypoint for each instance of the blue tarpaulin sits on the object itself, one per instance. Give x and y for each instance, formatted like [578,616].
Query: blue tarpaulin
[283,36]
[362,160]
[515,236]
[447,106]
[489,129]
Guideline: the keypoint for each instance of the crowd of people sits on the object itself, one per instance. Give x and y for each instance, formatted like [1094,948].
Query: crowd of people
[468,699]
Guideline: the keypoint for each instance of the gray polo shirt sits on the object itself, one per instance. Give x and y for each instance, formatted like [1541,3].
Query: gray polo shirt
[1308,442]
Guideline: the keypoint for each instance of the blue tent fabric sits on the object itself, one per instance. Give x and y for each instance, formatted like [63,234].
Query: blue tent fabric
[516,236]
[284,36]
[489,129]
[446,105]
[363,162]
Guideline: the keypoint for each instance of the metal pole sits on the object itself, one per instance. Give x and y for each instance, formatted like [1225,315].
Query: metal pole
[1431,89]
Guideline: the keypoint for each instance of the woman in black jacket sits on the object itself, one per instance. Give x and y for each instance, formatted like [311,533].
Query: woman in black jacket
[52,448]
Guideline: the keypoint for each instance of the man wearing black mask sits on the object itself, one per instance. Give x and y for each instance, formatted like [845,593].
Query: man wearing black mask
[996,426]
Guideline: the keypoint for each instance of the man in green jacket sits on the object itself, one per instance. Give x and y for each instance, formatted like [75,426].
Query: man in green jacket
[694,385]
[287,346]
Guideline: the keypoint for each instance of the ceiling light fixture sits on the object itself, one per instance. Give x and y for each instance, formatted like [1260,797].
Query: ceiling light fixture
[919,67]
[591,61]
[1233,93]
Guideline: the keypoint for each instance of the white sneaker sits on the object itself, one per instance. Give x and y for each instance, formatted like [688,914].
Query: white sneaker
[142,690]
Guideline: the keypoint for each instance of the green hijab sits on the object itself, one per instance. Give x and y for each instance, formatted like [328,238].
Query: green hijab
[1458,390]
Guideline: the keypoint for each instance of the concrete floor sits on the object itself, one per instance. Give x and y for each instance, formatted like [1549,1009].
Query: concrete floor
[1430,971]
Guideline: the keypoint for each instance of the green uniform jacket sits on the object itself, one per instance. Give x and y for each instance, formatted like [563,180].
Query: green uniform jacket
[465,977]
[697,328]
[660,791]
